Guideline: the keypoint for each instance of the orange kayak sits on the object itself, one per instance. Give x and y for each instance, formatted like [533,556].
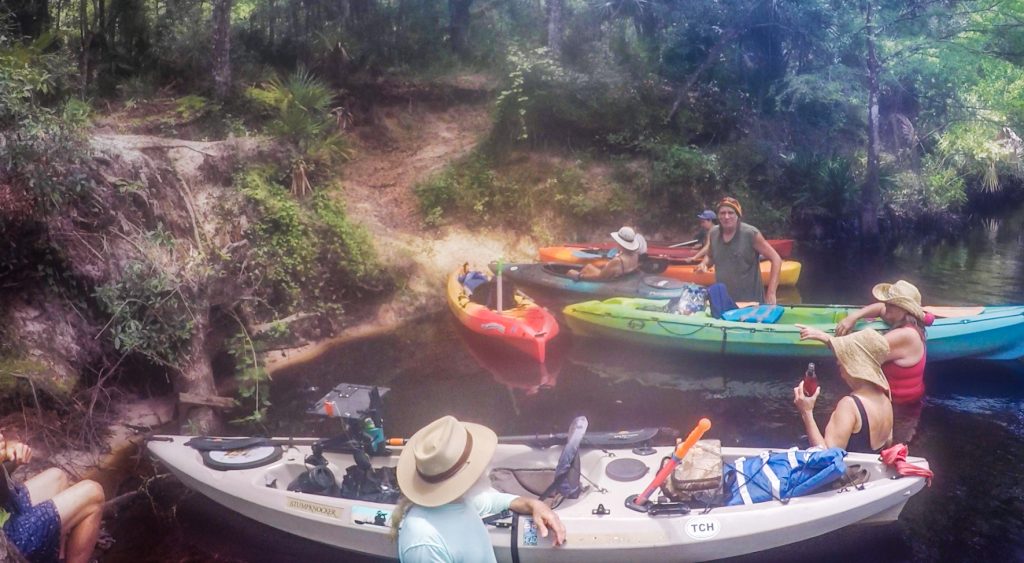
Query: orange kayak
[583,253]
[789,275]
[524,325]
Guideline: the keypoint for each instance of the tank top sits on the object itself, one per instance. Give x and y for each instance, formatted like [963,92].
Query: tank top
[737,263]
[861,441]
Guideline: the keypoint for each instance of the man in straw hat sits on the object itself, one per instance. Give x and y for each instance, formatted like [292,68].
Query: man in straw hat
[631,246]
[440,518]
[735,249]
[862,421]
[899,306]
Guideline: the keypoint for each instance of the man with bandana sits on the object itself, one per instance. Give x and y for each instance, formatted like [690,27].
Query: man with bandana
[735,250]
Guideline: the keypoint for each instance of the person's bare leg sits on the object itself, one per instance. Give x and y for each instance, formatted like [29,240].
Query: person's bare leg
[81,512]
[47,484]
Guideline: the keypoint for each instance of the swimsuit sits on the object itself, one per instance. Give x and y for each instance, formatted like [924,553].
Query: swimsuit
[861,441]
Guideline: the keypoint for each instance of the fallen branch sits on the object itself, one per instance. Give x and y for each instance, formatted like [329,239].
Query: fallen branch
[264,327]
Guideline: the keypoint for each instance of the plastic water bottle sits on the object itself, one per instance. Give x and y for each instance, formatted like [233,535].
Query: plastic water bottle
[375,434]
[810,380]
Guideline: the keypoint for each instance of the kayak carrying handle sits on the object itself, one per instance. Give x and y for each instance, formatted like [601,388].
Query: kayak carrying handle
[640,502]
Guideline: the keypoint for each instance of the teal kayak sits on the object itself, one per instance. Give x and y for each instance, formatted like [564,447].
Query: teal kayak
[554,278]
[996,333]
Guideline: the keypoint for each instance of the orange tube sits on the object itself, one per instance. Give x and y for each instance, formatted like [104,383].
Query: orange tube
[703,426]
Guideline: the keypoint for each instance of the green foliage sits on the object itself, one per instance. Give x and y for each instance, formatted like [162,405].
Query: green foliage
[544,102]
[42,145]
[683,178]
[982,151]
[824,185]
[473,191]
[253,378]
[309,255]
[192,107]
[149,312]
[937,190]
[298,107]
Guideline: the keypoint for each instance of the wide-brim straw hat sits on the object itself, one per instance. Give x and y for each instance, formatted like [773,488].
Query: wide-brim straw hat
[443,460]
[627,238]
[902,294]
[861,354]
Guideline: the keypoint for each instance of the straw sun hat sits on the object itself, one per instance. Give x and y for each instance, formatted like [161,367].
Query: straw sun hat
[861,354]
[443,460]
[901,294]
[628,239]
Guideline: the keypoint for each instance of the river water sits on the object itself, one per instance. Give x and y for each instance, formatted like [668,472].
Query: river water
[970,425]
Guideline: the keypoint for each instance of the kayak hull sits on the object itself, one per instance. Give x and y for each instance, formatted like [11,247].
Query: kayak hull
[552,278]
[524,326]
[577,253]
[995,334]
[788,276]
[621,535]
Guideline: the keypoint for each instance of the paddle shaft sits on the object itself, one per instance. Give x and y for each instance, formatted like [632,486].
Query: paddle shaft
[677,456]
[687,243]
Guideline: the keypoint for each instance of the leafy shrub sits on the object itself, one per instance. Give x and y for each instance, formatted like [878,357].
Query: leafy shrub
[309,254]
[42,144]
[149,313]
[682,179]
[475,192]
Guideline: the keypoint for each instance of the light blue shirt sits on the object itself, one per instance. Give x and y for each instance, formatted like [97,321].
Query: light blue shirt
[450,533]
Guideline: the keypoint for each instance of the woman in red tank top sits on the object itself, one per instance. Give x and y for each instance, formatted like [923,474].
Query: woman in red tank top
[899,306]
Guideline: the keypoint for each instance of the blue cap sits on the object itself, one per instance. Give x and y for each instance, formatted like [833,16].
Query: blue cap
[707,214]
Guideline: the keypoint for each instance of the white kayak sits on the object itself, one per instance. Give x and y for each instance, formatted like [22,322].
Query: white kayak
[619,535]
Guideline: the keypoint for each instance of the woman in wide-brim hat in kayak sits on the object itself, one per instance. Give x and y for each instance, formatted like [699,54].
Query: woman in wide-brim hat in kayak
[862,420]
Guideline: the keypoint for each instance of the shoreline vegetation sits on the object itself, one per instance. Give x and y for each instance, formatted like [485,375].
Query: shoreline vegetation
[193,195]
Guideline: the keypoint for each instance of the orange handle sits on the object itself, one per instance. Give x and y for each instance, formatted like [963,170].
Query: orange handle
[703,426]
[395,441]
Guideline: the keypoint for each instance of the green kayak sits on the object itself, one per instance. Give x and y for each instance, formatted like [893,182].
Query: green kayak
[996,333]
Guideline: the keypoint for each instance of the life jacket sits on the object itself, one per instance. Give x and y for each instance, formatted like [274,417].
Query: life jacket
[906,383]
[781,475]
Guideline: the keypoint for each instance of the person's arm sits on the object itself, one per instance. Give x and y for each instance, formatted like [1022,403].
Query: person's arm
[493,502]
[762,247]
[545,518]
[805,406]
[613,268]
[872,311]
[904,345]
[811,333]
[840,425]
[700,253]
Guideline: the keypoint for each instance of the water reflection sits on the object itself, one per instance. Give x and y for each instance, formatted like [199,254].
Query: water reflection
[511,368]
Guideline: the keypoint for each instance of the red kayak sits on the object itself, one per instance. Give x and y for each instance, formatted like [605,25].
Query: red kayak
[582,253]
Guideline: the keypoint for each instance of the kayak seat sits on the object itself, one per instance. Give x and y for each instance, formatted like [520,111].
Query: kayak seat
[529,482]
[486,294]
[764,314]
[472,280]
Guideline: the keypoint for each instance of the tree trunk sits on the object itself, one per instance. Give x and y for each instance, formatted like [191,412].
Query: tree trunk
[196,376]
[221,49]
[871,193]
[713,54]
[556,8]
[85,73]
[30,17]
[458,12]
